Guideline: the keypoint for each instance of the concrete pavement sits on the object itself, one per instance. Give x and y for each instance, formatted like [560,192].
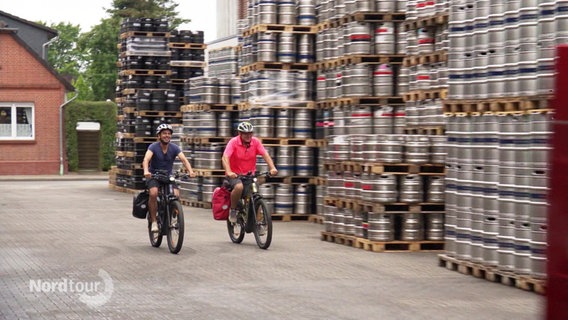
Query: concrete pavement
[70,249]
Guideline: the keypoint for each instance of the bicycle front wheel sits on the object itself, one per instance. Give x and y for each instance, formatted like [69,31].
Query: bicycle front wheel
[155,237]
[263,224]
[176,227]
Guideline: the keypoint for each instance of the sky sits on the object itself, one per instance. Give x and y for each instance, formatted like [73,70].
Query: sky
[88,13]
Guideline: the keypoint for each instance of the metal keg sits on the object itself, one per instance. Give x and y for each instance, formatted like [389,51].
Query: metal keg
[436,189]
[338,148]
[356,146]
[370,149]
[359,38]
[261,164]
[303,81]
[284,199]
[417,149]
[434,226]
[384,38]
[384,188]
[381,227]
[412,228]
[306,12]
[208,186]
[286,12]
[305,165]
[522,240]
[208,156]
[320,193]
[387,6]
[506,242]
[285,161]
[302,127]
[224,124]
[383,120]
[383,80]
[210,90]
[282,123]
[268,194]
[339,220]
[267,12]
[207,124]
[305,52]
[426,37]
[224,90]
[321,85]
[263,122]
[286,47]
[235,90]
[334,183]
[403,80]
[538,245]
[266,47]
[438,148]
[361,120]
[328,218]
[391,148]
[355,80]
[411,188]
[302,200]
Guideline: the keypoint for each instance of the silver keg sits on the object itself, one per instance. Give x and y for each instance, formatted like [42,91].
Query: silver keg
[412,227]
[284,199]
[285,161]
[267,47]
[381,227]
[286,47]
[411,188]
[302,200]
[305,165]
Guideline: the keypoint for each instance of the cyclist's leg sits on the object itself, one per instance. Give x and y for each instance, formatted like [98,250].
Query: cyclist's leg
[236,188]
[152,186]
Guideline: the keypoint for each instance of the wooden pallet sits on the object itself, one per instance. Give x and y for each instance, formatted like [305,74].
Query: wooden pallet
[210,172]
[187,45]
[373,17]
[259,66]
[420,95]
[359,59]
[400,246]
[366,100]
[130,34]
[404,168]
[491,273]
[432,131]
[196,204]
[427,58]
[208,107]
[498,105]
[300,105]
[438,19]
[292,142]
[386,208]
[148,113]
[144,72]
[290,217]
[280,28]
[187,64]
[316,218]
[205,140]
[375,246]
[318,181]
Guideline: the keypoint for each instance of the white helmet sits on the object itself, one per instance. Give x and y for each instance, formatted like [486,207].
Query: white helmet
[164,126]
[245,127]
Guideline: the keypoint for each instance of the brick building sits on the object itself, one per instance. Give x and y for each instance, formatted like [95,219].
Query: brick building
[32,96]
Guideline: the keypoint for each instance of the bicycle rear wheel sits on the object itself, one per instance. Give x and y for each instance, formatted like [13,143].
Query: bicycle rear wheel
[155,237]
[263,224]
[236,230]
[176,227]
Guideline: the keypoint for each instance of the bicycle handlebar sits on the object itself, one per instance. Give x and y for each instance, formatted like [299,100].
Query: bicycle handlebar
[255,175]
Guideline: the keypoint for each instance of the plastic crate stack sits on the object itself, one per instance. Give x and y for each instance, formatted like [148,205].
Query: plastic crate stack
[145,94]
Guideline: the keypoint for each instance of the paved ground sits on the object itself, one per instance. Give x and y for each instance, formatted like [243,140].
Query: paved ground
[70,249]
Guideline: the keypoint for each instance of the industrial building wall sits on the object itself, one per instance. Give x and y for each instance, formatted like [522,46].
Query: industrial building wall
[227,13]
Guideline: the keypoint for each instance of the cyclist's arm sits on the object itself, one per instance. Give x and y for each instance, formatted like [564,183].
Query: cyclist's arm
[146,163]
[186,164]
[270,163]
[227,166]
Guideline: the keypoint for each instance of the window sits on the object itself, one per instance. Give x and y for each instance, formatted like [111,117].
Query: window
[16,121]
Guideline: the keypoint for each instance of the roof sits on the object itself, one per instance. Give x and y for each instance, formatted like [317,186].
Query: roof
[53,33]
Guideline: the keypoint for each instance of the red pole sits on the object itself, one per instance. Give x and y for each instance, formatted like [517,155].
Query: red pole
[557,265]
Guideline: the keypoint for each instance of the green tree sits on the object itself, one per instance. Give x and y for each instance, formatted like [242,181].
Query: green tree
[63,53]
[147,9]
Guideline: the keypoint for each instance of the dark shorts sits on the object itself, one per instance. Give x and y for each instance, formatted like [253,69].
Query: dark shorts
[153,183]
[231,183]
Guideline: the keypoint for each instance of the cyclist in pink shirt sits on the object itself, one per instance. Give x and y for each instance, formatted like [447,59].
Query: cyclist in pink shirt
[239,158]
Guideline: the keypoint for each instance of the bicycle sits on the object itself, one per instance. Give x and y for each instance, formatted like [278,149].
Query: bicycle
[169,215]
[252,214]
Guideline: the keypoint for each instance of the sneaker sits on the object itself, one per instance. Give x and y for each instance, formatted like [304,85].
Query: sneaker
[233,215]
[174,221]
[155,227]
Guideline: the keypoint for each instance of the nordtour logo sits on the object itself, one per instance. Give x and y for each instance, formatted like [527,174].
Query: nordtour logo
[92,293]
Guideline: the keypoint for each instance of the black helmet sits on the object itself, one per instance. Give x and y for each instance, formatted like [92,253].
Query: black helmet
[164,126]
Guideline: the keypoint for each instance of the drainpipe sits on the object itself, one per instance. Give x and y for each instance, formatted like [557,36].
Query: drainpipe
[43,46]
[61,167]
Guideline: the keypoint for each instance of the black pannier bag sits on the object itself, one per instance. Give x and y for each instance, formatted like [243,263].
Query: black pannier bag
[140,205]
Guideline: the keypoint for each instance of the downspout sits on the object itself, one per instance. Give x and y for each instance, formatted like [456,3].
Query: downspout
[43,46]
[61,162]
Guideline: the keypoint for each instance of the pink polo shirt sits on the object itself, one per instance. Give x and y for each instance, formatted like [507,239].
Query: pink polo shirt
[243,159]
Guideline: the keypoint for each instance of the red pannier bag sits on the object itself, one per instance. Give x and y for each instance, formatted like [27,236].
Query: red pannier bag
[221,203]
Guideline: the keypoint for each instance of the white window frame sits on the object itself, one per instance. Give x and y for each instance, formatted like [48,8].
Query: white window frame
[14,128]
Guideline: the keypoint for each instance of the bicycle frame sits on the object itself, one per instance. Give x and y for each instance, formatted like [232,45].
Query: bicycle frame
[248,199]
